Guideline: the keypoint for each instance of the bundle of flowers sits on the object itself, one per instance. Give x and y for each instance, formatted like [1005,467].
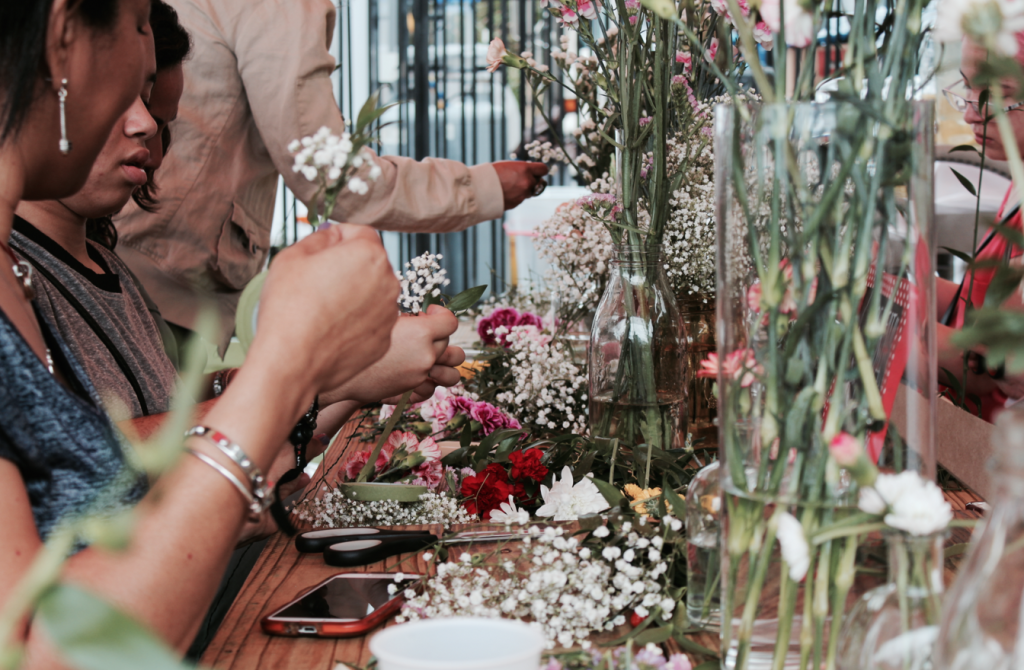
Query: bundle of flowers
[569,588]
[446,414]
[334,510]
[563,501]
[577,250]
[531,373]
[403,458]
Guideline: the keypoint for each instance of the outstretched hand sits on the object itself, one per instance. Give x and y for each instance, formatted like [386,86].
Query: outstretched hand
[419,359]
[519,180]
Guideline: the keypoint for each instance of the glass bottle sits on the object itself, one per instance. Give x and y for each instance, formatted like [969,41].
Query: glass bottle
[637,352]
[894,626]
[703,565]
[981,621]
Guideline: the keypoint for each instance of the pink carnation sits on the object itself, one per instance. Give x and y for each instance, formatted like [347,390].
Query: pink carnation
[846,449]
[428,448]
[487,328]
[488,416]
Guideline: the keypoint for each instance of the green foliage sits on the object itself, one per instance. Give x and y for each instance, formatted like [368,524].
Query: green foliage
[466,299]
[92,635]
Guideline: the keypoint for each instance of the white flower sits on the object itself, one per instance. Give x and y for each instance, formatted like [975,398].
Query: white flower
[793,542]
[910,503]
[799,22]
[427,556]
[566,502]
[358,186]
[495,52]
[601,531]
[999,20]
[509,514]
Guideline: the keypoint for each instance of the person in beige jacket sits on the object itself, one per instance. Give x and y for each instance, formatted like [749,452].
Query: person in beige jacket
[259,77]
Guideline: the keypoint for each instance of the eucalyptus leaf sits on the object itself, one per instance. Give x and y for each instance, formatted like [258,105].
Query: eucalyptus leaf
[92,635]
[467,298]
[965,182]
[654,635]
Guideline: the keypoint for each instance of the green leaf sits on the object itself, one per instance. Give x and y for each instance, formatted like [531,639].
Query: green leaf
[955,550]
[93,635]
[966,258]
[456,459]
[1011,234]
[655,635]
[964,147]
[965,182]
[693,647]
[709,665]
[466,299]
[674,499]
[611,494]
[1005,282]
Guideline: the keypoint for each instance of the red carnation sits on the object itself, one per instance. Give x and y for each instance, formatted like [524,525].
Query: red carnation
[486,490]
[526,464]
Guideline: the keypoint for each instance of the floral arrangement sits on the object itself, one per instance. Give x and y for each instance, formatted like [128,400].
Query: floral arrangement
[515,481]
[335,510]
[448,414]
[403,458]
[568,587]
[421,282]
[531,373]
[332,161]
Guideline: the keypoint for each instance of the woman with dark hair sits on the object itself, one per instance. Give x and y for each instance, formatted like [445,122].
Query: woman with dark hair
[68,70]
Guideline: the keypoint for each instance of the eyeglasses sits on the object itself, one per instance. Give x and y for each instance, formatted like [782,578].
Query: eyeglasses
[960,103]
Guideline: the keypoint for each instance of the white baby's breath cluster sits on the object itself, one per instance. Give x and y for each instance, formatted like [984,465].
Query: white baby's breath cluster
[548,388]
[423,278]
[545,152]
[689,245]
[331,160]
[334,510]
[566,590]
[576,249]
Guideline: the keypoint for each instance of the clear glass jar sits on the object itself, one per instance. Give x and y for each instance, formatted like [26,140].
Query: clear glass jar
[894,626]
[703,558]
[982,618]
[636,363]
[697,312]
[825,326]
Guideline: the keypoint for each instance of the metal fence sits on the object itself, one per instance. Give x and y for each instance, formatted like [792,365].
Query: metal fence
[430,57]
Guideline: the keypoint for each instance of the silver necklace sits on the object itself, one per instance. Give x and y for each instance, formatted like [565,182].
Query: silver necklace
[23,272]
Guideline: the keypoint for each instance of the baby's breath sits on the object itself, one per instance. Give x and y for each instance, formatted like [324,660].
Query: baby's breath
[334,510]
[423,278]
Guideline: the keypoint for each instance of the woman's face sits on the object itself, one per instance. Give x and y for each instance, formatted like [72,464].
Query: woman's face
[133,150]
[106,70]
[987,134]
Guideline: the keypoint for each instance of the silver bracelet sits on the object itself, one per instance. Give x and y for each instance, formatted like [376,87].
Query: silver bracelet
[254,506]
[262,493]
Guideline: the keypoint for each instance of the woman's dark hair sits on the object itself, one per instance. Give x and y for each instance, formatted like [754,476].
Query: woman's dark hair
[173,45]
[22,51]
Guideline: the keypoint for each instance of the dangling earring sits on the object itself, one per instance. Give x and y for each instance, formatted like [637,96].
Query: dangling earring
[62,94]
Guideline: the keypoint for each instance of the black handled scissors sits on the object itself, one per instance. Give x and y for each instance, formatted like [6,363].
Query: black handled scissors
[370,549]
[315,541]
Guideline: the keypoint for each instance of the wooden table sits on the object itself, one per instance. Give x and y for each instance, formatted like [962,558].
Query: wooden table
[281,573]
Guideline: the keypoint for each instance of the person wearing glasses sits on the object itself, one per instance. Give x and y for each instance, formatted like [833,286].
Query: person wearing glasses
[992,386]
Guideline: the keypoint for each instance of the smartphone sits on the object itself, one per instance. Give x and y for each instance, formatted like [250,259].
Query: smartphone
[346,605]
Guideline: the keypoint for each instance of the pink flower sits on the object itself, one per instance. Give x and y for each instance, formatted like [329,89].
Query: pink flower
[721,8]
[686,59]
[487,327]
[569,18]
[632,5]
[633,19]
[588,8]
[763,35]
[677,662]
[495,53]
[754,297]
[646,120]
[355,465]
[429,474]
[712,49]
[799,22]
[430,450]
[846,449]
[740,365]
[489,417]
[438,408]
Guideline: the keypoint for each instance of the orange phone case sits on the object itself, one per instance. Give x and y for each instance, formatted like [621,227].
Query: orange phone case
[320,628]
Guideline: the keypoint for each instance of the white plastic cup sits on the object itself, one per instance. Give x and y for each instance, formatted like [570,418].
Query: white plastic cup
[458,643]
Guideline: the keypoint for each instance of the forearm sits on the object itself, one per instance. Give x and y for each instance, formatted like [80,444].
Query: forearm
[951,359]
[334,416]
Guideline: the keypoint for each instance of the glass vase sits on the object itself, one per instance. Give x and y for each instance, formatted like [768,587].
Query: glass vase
[703,554]
[825,329]
[697,312]
[895,626]
[982,620]
[637,392]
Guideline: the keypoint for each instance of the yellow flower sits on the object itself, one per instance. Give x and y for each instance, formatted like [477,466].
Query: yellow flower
[637,494]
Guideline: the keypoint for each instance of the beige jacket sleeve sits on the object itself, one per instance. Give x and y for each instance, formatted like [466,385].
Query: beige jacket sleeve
[286,69]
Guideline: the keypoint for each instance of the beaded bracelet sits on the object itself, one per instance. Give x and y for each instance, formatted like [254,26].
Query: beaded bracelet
[254,506]
[262,493]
